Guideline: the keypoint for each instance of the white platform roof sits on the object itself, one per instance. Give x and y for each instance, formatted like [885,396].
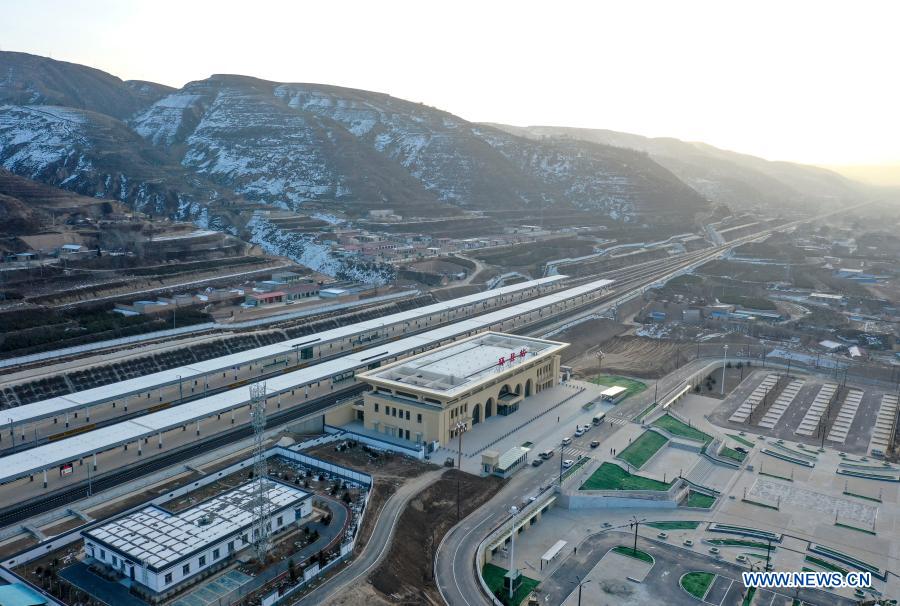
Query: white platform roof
[108,393]
[158,538]
[50,455]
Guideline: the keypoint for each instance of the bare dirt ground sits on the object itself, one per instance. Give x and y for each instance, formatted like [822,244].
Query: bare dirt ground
[361,593]
[382,490]
[385,465]
[634,356]
[405,576]
[588,337]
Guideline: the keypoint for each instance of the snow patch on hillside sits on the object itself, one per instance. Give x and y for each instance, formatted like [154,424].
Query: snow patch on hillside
[161,122]
[304,250]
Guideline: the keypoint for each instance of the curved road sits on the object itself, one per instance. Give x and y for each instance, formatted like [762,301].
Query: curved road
[377,546]
[455,559]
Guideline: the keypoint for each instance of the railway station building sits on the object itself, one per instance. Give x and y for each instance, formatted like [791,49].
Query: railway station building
[428,398]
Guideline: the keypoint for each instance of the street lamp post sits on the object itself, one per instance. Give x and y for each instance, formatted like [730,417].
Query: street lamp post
[724,359]
[512,550]
[580,585]
[460,428]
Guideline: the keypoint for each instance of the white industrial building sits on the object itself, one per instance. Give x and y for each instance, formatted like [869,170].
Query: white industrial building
[163,551]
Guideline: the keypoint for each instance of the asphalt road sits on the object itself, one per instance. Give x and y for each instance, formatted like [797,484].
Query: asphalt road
[455,557]
[671,563]
[377,546]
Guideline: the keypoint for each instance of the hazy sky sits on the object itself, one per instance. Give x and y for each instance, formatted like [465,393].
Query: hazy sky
[806,81]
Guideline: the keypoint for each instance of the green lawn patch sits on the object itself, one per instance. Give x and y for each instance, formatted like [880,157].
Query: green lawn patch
[639,451]
[634,553]
[733,454]
[683,430]
[739,543]
[748,599]
[742,440]
[698,499]
[825,564]
[610,476]
[493,576]
[697,583]
[673,525]
[631,386]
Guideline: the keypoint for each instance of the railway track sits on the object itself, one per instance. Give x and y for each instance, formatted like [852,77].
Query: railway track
[66,496]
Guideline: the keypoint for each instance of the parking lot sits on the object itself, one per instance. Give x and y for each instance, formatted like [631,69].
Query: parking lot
[857,439]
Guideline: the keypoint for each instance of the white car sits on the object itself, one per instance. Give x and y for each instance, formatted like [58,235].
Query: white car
[568,463]
[579,432]
[566,441]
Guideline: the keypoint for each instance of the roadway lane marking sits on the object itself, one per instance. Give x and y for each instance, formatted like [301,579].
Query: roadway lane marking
[455,556]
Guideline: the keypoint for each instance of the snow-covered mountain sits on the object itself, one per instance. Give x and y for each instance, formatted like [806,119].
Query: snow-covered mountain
[288,144]
[737,180]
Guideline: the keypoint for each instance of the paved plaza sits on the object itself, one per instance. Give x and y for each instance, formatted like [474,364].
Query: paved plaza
[543,419]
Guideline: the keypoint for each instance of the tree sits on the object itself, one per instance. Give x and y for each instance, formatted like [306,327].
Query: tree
[346,497]
[292,571]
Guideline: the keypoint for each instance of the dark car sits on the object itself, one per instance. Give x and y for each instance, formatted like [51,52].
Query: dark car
[595,443]
[741,449]
[537,462]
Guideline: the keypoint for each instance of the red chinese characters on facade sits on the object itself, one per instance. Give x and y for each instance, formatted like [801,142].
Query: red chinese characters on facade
[522,352]
[502,361]
[512,357]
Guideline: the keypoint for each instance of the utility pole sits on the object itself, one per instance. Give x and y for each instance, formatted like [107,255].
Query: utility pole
[768,554]
[635,523]
[724,360]
[580,585]
[512,550]
[460,427]
[561,451]
[262,509]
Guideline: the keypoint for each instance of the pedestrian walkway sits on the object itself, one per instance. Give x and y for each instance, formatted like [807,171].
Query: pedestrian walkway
[884,425]
[784,400]
[841,426]
[811,419]
[701,471]
[753,400]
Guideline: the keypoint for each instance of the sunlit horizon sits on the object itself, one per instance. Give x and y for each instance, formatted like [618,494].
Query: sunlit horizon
[806,82]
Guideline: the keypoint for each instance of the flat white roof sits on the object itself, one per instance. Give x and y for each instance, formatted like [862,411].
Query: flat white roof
[509,458]
[612,392]
[553,551]
[158,538]
[825,295]
[70,449]
[466,363]
[107,393]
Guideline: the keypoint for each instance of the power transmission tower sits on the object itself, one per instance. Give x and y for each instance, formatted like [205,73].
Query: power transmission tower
[261,504]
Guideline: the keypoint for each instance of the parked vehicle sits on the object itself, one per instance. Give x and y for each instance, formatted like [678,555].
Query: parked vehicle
[568,463]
